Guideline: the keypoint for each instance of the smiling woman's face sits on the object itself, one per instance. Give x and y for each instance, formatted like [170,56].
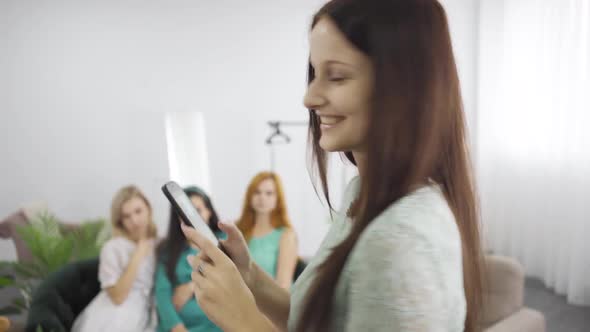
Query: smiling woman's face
[341,90]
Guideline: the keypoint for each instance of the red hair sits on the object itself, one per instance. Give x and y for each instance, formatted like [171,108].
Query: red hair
[279,214]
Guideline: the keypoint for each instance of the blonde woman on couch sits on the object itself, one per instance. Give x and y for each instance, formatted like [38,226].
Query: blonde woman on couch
[126,269]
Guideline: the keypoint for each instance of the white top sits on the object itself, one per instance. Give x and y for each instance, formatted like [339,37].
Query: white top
[404,273]
[136,312]
[114,258]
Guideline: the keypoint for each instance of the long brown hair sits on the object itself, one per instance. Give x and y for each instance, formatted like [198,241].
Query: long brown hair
[279,217]
[416,132]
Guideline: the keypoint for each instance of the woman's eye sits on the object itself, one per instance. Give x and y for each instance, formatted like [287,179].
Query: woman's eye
[337,79]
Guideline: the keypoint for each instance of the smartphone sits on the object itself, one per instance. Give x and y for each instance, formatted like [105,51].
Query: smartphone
[184,207]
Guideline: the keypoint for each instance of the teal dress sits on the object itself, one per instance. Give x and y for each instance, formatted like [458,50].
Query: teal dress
[265,250]
[191,315]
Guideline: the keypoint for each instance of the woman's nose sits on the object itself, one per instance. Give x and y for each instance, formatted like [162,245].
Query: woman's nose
[136,220]
[314,99]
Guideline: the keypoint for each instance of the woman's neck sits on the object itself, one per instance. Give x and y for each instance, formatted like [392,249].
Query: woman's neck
[360,159]
[262,220]
[361,163]
[131,239]
[262,225]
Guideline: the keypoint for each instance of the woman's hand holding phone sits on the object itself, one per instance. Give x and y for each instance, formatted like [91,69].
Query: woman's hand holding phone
[223,280]
[234,246]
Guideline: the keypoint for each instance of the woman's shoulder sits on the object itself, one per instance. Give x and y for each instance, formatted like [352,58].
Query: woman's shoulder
[118,242]
[423,217]
[276,236]
[415,242]
[287,233]
[351,191]
[117,246]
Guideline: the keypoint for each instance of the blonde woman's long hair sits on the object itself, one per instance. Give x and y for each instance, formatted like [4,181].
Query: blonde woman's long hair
[279,216]
[121,197]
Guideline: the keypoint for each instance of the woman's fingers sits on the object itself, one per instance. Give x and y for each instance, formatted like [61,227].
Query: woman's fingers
[198,280]
[201,242]
[195,237]
[232,231]
[202,267]
[235,245]
[194,259]
[199,262]
[235,240]
[204,279]
[200,287]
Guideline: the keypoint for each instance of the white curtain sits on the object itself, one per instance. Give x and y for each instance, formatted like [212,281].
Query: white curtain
[533,138]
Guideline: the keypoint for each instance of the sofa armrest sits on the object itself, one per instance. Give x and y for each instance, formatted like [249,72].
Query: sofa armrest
[22,217]
[525,320]
[8,228]
[505,288]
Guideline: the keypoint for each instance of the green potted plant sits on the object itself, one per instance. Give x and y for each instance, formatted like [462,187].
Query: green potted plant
[52,246]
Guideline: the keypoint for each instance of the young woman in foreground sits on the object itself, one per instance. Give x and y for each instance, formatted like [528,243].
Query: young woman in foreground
[404,253]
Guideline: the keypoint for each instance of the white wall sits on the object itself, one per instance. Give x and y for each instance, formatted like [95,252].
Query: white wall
[78,68]
[76,161]
[240,63]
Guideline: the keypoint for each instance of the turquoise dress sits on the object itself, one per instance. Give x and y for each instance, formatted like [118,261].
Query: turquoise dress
[191,315]
[265,250]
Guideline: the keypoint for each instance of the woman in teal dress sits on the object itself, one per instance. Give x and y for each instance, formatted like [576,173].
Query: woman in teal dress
[264,222]
[176,305]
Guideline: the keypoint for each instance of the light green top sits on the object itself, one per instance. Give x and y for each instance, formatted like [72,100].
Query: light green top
[404,273]
[265,250]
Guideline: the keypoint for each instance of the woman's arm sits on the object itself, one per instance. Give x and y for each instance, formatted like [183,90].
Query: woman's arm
[167,313]
[182,294]
[287,260]
[120,290]
[272,299]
